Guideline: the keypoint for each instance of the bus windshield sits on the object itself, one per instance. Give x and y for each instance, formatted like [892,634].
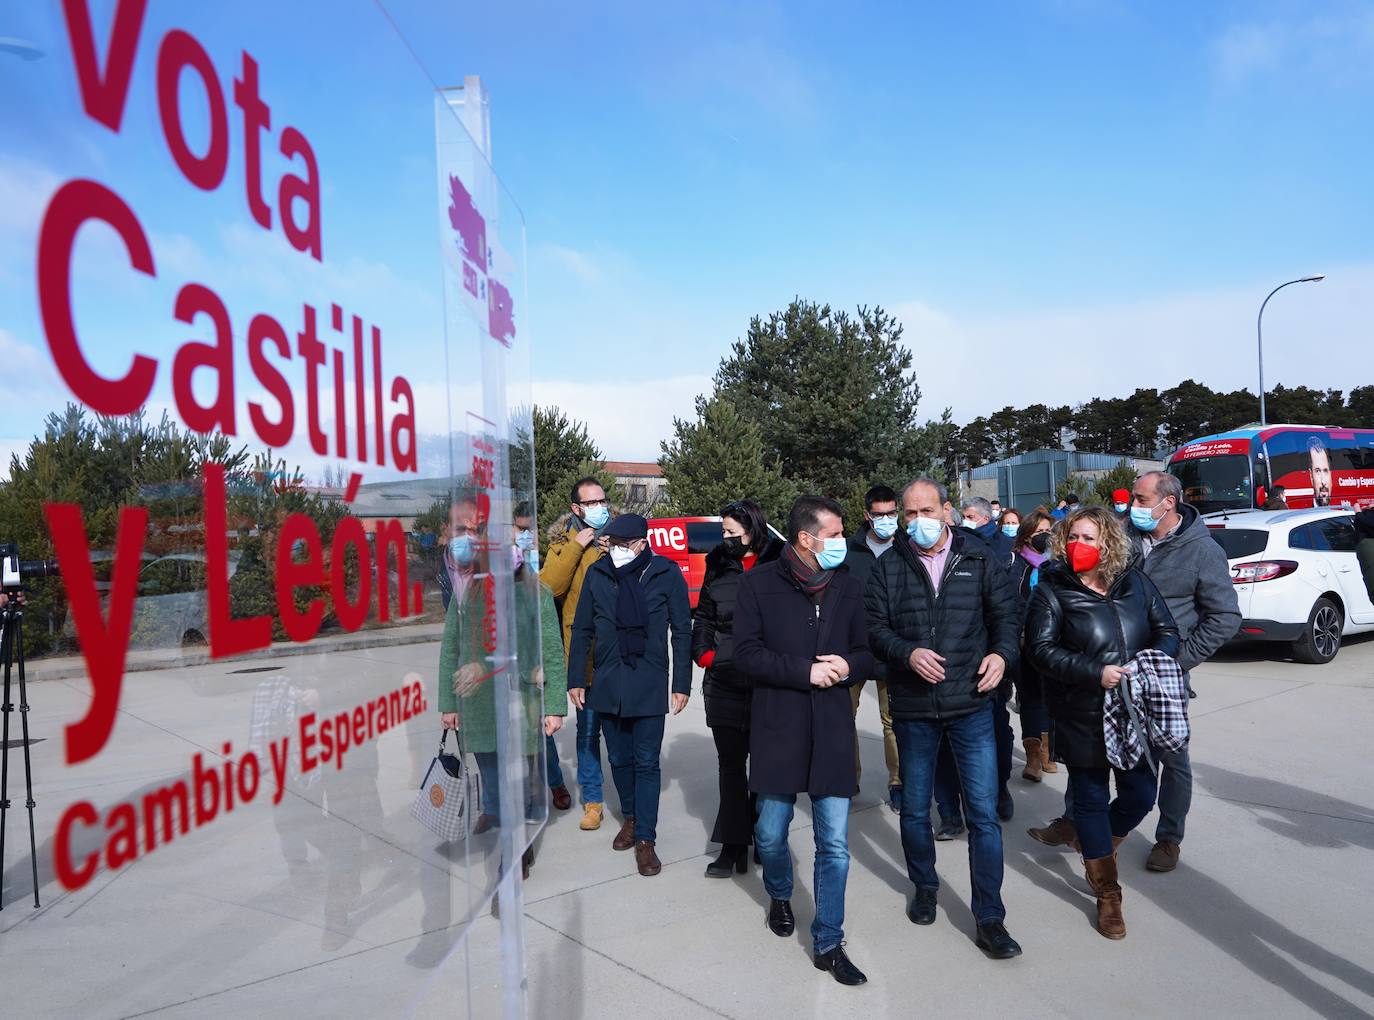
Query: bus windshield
[1216,483]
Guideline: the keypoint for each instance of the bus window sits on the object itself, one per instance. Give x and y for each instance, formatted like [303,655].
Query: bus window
[1216,483]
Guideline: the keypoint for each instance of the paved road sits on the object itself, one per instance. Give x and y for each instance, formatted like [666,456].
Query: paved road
[1265,916]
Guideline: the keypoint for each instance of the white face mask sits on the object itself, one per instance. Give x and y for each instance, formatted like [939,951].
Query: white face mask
[621,556]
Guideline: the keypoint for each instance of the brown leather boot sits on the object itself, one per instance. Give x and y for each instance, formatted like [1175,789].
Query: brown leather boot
[1101,875]
[646,859]
[1033,762]
[1060,832]
[1047,764]
[625,838]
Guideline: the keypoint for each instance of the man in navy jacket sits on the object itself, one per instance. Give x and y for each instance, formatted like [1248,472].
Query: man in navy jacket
[800,639]
[629,600]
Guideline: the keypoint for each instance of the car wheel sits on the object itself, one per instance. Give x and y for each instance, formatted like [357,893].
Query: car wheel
[1321,640]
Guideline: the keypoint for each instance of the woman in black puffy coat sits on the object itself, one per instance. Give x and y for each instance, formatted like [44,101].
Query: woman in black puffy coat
[727,692]
[1091,613]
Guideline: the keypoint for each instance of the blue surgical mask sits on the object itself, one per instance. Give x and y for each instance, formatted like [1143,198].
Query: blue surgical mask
[597,517]
[1010,530]
[1143,517]
[461,550]
[1120,507]
[524,540]
[925,531]
[832,554]
[885,527]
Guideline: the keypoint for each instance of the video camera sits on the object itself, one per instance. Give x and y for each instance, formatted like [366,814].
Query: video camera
[14,571]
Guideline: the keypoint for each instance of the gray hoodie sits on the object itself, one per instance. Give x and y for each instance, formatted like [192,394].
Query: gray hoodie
[1190,570]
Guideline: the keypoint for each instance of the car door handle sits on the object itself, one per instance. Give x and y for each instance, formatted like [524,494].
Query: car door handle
[1344,570]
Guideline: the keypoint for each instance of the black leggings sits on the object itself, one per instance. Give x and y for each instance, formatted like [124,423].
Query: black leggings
[735,819]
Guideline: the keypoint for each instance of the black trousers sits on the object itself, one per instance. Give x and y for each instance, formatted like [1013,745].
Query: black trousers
[735,819]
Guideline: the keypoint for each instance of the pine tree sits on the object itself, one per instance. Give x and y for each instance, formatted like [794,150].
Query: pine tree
[833,397]
[721,457]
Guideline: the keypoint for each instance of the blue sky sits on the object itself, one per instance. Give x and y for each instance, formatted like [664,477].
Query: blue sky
[1058,199]
[1008,178]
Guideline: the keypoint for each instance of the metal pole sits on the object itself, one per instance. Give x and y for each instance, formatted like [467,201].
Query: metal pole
[1259,336]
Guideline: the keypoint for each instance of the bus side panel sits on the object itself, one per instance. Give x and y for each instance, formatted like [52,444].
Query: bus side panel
[1323,468]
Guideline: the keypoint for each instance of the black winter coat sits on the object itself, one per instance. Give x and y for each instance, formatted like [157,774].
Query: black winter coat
[1072,632]
[619,689]
[801,738]
[975,613]
[726,689]
[861,563]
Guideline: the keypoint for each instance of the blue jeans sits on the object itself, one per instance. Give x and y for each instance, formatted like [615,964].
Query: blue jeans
[1175,794]
[633,744]
[830,824]
[589,756]
[553,769]
[488,767]
[947,786]
[973,743]
[1096,820]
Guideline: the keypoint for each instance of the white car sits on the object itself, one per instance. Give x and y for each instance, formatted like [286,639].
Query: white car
[1296,576]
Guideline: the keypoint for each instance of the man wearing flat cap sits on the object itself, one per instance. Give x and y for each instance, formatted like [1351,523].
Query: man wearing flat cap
[628,603]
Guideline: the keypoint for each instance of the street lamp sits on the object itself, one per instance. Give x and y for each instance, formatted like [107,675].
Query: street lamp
[1259,332]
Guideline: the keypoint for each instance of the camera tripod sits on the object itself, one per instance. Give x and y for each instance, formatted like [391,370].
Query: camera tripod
[12,651]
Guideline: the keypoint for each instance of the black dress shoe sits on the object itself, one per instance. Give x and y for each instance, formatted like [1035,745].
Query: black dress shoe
[839,966]
[994,940]
[1005,805]
[780,918]
[921,909]
[733,858]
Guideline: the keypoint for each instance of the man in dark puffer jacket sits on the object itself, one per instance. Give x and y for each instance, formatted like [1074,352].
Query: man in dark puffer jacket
[945,618]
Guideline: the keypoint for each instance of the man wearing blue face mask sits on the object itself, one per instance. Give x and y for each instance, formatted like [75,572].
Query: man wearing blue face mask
[575,544]
[461,536]
[943,615]
[799,638]
[866,547]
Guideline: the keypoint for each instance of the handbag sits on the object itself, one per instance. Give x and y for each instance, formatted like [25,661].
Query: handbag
[444,802]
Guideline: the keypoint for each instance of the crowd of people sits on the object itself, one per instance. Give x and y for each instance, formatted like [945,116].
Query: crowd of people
[1091,618]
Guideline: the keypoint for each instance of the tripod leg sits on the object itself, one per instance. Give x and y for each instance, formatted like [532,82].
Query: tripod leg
[17,648]
[5,650]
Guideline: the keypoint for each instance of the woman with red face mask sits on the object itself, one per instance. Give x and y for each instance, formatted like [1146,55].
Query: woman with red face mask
[1091,613]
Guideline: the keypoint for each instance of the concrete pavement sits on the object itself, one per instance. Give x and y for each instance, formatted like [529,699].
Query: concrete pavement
[1265,915]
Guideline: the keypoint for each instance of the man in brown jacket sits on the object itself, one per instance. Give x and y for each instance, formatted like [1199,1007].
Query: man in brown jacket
[575,543]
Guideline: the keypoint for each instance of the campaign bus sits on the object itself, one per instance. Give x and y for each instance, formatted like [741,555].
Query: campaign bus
[1317,465]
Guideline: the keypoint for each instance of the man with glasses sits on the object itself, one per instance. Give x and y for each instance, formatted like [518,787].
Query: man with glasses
[945,618]
[575,544]
[629,602]
[866,547]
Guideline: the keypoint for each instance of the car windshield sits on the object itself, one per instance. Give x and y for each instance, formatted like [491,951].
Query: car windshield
[1216,483]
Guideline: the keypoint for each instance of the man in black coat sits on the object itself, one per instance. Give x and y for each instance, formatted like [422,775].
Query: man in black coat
[799,636]
[629,600]
[945,618]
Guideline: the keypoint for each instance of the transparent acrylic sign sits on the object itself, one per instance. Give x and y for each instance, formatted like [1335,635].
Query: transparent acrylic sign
[265,435]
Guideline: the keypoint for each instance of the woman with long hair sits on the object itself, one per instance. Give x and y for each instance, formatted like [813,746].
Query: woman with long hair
[1091,613]
[1029,552]
[746,543]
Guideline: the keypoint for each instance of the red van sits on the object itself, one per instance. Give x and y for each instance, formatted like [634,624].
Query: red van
[686,541]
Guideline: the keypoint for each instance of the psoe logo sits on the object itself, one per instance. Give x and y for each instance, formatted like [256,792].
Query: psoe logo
[471,227]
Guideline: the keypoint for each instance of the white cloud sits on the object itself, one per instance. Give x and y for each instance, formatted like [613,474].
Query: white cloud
[1333,46]
[1316,335]
[584,266]
[626,419]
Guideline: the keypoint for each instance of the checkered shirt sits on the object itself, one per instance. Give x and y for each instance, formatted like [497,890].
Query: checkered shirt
[1158,691]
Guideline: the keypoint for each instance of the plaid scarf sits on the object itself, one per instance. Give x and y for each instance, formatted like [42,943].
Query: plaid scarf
[811,581]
